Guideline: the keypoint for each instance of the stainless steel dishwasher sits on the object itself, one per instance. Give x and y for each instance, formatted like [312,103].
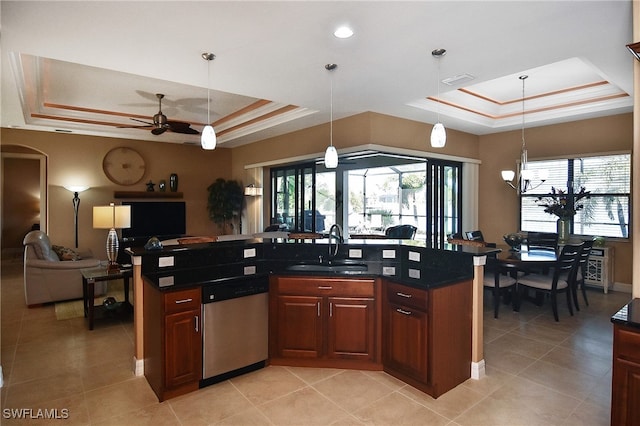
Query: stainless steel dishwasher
[235,320]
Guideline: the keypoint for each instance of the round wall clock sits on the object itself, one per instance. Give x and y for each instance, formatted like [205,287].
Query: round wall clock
[124,166]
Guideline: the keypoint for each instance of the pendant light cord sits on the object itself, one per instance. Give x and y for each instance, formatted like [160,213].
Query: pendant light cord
[331,112]
[524,148]
[208,92]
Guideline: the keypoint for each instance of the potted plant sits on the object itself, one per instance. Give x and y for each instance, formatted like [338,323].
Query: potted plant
[557,203]
[225,202]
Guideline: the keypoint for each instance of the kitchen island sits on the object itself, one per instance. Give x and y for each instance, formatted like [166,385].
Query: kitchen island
[347,303]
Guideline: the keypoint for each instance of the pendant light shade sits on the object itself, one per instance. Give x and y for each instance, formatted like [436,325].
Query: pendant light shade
[438,136]
[438,133]
[331,157]
[208,136]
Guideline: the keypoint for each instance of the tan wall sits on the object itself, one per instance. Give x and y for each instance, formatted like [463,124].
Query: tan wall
[76,159]
[498,206]
[73,155]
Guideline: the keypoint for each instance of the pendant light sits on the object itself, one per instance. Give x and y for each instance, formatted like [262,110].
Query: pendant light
[524,176]
[438,133]
[208,137]
[331,155]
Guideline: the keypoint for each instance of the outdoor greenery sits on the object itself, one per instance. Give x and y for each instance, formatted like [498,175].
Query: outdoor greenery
[225,202]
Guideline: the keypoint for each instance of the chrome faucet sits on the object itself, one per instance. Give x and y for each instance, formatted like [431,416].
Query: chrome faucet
[335,232]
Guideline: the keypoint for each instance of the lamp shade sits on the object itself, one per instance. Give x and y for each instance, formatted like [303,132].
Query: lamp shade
[331,157]
[438,136]
[107,217]
[508,175]
[76,188]
[208,138]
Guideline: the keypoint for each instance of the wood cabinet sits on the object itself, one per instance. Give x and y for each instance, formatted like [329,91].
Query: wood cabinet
[427,335]
[625,391]
[323,321]
[172,341]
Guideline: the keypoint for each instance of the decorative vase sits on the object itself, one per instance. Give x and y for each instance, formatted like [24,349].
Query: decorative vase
[564,229]
[173,182]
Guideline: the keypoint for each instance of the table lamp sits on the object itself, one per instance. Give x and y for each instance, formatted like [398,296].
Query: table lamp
[111,217]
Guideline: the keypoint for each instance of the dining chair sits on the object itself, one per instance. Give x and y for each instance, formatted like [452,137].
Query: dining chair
[581,273]
[542,241]
[498,279]
[561,281]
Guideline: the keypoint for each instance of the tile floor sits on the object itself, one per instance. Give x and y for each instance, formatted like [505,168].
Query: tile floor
[538,373]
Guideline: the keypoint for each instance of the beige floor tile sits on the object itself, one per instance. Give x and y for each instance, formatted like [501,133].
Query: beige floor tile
[397,409]
[34,393]
[589,414]
[449,405]
[493,379]
[387,379]
[313,375]
[267,384]
[352,389]
[250,417]
[121,398]
[302,407]
[561,379]
[154,415]
[578,361]
[209,405]
[549,405]
[506,360]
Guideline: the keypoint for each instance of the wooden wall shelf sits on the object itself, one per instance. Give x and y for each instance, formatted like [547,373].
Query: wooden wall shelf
[146,194]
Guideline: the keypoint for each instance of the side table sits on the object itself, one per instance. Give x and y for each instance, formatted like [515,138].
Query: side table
[91,276]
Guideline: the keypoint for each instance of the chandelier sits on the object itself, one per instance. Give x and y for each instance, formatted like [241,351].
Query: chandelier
[525,178]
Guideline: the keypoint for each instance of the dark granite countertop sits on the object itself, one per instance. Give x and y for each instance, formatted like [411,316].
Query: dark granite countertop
[628,315]
[211,263]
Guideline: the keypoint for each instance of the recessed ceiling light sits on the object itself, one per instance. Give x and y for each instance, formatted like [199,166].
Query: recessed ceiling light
[343,32]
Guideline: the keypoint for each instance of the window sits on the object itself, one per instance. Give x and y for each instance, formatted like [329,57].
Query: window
[605,213]
[368,193]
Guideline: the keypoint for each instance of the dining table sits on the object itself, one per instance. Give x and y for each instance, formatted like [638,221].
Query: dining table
[522,258]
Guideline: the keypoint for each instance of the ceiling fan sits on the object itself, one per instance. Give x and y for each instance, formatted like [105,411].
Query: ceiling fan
[161,124]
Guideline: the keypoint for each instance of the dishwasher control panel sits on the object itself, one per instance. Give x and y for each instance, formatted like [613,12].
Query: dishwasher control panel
[234,289]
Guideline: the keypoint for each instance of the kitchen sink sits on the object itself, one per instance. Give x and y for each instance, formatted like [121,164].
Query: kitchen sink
[334,266]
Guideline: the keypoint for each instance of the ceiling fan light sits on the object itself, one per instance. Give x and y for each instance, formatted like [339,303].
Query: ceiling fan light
[331,157]
[208,138]
[438,136]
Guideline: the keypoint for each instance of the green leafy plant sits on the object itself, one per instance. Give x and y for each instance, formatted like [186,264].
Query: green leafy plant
[557,202]
[225,202]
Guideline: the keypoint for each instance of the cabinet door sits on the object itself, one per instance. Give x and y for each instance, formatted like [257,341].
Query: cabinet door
[625,393]
[405,348]
[299,326]
[351,328]
[183,348]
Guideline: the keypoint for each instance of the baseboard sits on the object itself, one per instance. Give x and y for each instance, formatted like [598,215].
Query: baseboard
[477,370]
[622,287]
[138,367]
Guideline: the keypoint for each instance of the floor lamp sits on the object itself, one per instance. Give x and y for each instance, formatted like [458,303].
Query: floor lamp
[111,217]
[76,205]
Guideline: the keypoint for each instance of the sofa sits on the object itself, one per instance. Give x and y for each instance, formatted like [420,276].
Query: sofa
[47,278]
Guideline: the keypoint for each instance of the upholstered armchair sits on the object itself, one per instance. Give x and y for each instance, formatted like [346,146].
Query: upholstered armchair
[49,279]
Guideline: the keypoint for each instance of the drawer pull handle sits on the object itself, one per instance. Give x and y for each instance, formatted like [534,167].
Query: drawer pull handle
[318,309]
[197,324]
[325,287]
[403,312]
[405,295]
[183,301]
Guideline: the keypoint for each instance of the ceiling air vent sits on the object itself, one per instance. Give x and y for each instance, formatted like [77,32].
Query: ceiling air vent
[458,79]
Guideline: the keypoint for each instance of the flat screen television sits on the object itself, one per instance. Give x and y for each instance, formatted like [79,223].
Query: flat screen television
[156,218]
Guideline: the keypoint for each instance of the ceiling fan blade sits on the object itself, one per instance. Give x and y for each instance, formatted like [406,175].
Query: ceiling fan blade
[182,127]
[142,121]
[158,130]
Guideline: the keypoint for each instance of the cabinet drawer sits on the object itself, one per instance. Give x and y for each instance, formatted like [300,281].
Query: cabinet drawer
[182,300]
[627,343]
[407,296]
[325,286]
